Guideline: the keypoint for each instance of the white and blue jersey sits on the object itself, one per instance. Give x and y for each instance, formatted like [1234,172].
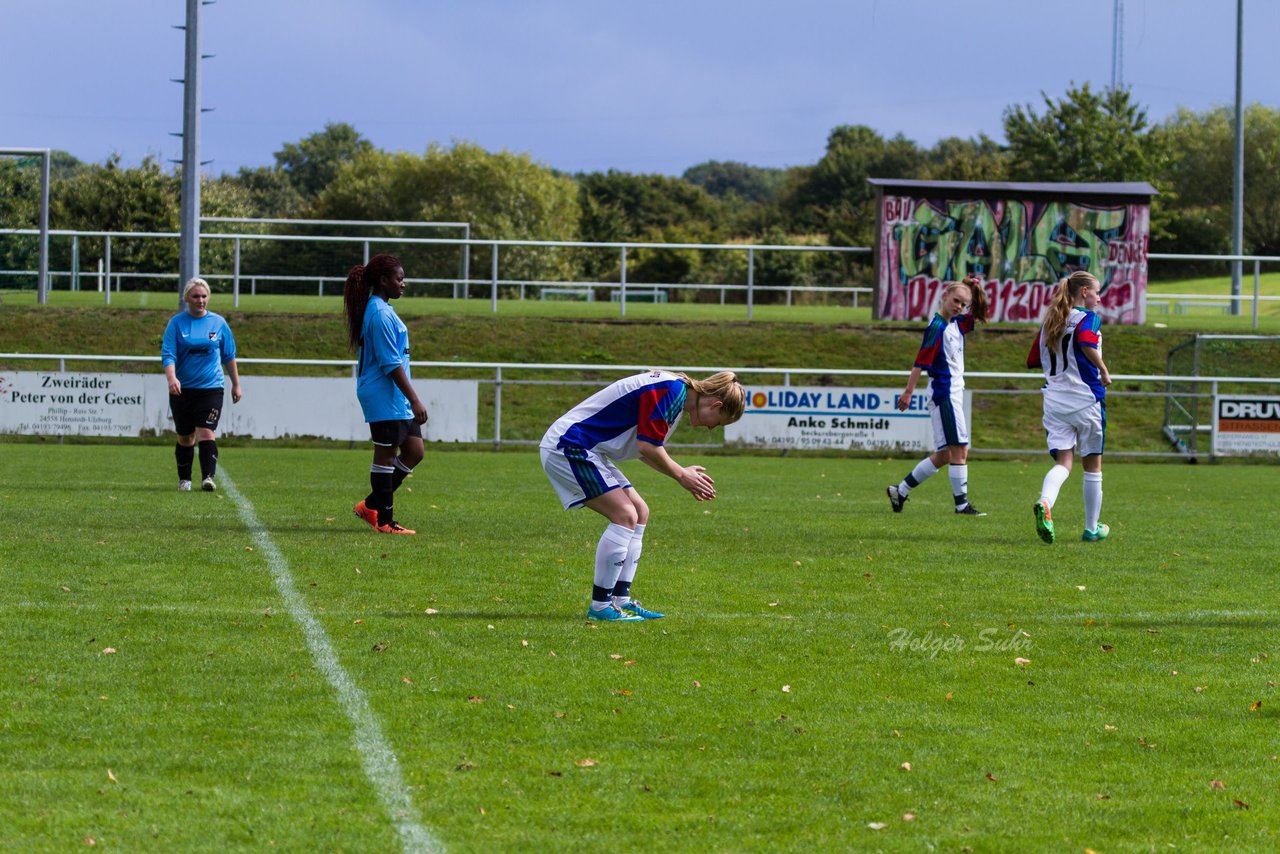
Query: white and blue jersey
[384,346]
[1071,381]
[611,423]
[942,355]
[198,347]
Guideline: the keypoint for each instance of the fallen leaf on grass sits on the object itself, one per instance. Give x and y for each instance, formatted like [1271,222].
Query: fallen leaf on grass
[1109,727]
[950,694]
[463,766]
[524,642]
[406,680]
[111,650]
[1149,745]
[623,692]
[585,763]
[431,611]
[1022,662]
[615,656]
[905,766]
[908,816]
[66,589]
[1090,622]
[697,684]
[357,622]
[1217,784]
[246,548]
[474,699]
[1241,804]
[1080,587]
[90,841]
[1199,689]
[555,773]
[379,647]
[1102,796]
[991,777]
[786,689]
[111,777]
[1257,704]
[1106,647]
[877,825]
[629,663]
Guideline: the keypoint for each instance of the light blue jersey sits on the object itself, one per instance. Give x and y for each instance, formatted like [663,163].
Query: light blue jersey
[384,346]
[198,347]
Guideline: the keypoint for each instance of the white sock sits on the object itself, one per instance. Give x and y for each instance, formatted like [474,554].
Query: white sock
[611,556]
[959,475]
[924,470]
[628,574]
[1052,483]
[1092,499]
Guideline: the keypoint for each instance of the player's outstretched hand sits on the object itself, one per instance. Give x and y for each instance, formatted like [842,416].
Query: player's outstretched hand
[698,482]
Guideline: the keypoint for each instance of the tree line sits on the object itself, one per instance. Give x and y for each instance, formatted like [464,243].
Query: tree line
[335,173]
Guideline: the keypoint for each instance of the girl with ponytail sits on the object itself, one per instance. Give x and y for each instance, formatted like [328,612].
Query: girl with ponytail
[1069,349]
[942,355]
[630,419]
[391,406]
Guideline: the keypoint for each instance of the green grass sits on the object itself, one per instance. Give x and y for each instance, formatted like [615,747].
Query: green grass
[1147,654]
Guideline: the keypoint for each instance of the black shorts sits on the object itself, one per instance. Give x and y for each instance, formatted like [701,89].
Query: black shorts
[391,434]
[196,407]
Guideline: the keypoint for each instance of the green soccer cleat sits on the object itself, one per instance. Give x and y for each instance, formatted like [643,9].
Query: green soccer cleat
[634,607]
[1099,533]
[1044,522]
[612,615]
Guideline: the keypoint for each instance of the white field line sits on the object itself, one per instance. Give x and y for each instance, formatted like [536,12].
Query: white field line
[380,764]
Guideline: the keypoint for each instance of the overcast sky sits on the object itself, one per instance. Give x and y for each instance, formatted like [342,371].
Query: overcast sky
[587,85]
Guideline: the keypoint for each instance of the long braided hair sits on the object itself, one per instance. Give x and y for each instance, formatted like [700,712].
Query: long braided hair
[361,281]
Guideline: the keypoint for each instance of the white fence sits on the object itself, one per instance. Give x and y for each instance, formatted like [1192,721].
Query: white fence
[502,375]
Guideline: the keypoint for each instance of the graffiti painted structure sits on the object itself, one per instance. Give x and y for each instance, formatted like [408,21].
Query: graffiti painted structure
[1020,239]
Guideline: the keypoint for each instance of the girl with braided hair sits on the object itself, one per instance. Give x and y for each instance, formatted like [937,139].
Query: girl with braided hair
[391,407]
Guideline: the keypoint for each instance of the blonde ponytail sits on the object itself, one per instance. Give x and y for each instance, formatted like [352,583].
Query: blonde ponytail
[1064,298]
[724,387]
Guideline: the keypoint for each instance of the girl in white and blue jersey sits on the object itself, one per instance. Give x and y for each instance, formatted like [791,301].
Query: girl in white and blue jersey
[197,345]
[1069,349]
[391,406]
[631,419]
[942,356]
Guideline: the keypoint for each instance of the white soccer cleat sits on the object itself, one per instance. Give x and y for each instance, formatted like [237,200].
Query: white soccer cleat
[207,485]
[184,486]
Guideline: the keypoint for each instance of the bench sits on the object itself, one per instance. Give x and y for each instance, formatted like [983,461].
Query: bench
[1180,307]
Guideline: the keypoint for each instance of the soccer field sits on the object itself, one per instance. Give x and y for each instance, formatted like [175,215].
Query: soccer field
[256,668]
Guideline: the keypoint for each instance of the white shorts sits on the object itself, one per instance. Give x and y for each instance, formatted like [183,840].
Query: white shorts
[1085,430]
[949,424]
[579,475]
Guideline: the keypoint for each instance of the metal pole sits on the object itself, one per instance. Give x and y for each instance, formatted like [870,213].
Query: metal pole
[42,285]
[189,239]
[493,277]
[366,253]
[751,281]
[466,256]
[622,283]
[1237,200]
[493,290]
[497,409]
[107,279]
[235,279]
[75,262]
[1257,274]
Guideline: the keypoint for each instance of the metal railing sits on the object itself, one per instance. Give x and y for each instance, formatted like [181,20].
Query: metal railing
[464,282]
[501,377]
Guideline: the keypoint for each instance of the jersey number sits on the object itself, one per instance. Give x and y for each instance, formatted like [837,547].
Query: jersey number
[1053,356]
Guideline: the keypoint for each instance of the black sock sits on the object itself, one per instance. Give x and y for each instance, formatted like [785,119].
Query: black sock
[398,476]
[208,458]
[600,594]
[622,589]
[184,454]
[381,497]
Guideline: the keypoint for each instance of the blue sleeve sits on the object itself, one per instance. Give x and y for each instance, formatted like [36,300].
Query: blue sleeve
[383,340]
[227,342]
[169,346]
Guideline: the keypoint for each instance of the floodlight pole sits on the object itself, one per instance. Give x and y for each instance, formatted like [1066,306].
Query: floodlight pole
[189,225]
[1237,199]
[42,280]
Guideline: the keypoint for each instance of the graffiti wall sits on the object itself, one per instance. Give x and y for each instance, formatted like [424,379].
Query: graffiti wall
[1019,248]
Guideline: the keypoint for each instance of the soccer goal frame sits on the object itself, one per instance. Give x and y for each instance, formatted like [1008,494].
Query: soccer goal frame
[42,279]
